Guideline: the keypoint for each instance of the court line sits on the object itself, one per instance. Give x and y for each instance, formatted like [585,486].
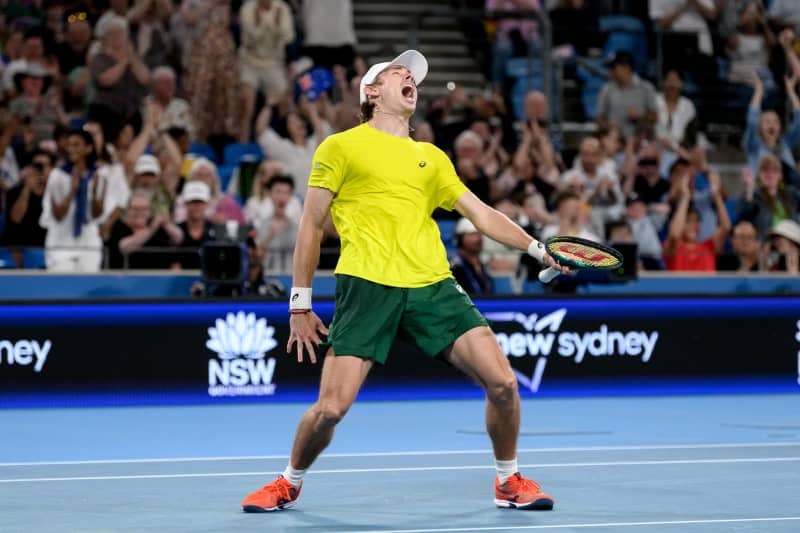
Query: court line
[646,447]
[407,469]
[589,525]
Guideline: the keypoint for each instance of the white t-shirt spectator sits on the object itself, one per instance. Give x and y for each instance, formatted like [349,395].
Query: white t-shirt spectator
[673,126]
[328,22]
[278,257]
[787,11]
[65,252]
[295,158]
[690,21]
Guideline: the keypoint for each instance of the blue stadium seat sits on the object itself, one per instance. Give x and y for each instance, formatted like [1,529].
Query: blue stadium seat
[624,32]
[225,173]
[589,74]
[33,258]
[447,230]
[6,260]
[233,152]
[203,150]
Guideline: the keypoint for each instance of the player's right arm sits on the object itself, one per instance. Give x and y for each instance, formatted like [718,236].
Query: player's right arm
[305,325]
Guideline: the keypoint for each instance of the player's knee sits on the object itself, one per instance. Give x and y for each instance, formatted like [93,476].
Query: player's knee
[330,413]
[503,392]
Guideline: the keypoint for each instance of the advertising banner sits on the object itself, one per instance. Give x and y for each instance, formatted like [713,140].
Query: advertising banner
[216,350]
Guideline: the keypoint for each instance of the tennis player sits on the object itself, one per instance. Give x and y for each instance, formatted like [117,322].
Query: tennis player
[393,276]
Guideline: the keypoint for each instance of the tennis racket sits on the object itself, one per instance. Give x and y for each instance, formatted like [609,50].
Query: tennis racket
[578,253]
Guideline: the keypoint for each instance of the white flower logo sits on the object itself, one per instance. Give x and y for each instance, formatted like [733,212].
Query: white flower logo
[240,335]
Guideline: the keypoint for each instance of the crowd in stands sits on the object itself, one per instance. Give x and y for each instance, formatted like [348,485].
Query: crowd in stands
[135,131]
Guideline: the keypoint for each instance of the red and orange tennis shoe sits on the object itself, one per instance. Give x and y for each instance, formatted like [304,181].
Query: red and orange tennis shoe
[521,493]
[280,494]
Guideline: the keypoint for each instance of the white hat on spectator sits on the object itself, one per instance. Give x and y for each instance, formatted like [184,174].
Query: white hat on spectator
[147,164]
[411,59]
[788,229]
[465,225]
[195,191]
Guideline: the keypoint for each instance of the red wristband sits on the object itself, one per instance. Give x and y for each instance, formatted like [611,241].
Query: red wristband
[299,311]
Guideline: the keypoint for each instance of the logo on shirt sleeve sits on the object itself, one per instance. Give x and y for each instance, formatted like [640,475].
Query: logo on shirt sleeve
[422,164]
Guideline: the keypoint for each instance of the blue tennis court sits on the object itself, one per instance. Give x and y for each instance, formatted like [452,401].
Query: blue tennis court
[680,463]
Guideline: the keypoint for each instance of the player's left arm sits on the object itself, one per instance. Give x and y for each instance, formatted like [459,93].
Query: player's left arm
[499,227]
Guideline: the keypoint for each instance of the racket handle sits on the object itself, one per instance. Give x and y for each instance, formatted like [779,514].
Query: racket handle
[549,274]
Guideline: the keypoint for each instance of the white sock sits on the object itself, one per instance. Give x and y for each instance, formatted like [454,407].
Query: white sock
[295,477]
[506,469]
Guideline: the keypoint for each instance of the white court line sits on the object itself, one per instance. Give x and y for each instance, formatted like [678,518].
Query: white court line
[645,447]
[407,469]
[602,524]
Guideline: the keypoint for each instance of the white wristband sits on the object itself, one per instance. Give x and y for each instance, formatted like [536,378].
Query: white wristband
[300,298]
[536,250]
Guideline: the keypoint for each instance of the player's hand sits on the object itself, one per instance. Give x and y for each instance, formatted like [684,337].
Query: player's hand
[304,331]
[552,263]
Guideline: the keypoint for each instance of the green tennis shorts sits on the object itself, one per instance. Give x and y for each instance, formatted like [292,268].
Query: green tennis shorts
[368,316]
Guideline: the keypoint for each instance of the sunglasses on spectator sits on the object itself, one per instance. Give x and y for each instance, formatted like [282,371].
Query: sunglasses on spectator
[648,162]
[77,17]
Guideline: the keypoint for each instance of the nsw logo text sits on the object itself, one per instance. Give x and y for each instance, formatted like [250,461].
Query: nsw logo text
[241,342]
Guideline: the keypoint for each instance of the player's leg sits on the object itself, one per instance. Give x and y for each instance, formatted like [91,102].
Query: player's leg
[364,324]
[342,377]
[477,353]
[443,320]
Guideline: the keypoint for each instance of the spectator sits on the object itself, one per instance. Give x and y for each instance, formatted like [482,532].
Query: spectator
[686,40]
[137,231]
[536,149]
[675,112]
[72,205]
[783,248]
[147,178]
[575,25]
[24,203]
[149,20]
[785,13]
[626,101]
[748,48]
[768,200]
[9,167]
[277,223]
[572,219]
[35,104]
[601,186]
[119,77]
[728,15]
[73,55]
[644,233]
[468,270]
[746,250]
[267,27]
[296,150]
[220,206]
[763,132]
[175,112]
[683,249]
[113,173]
[259,206]
[212,79]
[32,51]
[330,37]
[74,50]
[513,36]
[196,228]
[645,181]
[536,110]
[469,163]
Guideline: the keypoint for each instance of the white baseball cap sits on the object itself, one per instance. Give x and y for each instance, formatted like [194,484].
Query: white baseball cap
[465,225]
[196,190]
[147,164]
[411,59]
[788,229]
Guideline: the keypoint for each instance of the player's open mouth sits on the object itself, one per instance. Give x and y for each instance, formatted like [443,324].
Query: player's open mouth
[409,92]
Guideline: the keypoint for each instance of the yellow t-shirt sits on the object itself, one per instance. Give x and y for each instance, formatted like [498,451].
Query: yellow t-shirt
[385,189]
